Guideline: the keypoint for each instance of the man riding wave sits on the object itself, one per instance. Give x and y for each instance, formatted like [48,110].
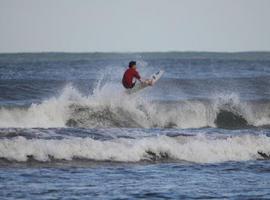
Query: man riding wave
[130,74]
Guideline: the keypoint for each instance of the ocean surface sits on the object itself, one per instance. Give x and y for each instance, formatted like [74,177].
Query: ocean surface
[68,129]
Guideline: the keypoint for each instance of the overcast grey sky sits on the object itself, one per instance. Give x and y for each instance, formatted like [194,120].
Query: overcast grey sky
[134,25]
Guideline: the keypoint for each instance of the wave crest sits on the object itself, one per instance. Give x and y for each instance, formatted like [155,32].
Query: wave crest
[198,149]
[108,108]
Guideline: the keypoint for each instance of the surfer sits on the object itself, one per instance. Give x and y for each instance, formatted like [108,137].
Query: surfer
[130,74]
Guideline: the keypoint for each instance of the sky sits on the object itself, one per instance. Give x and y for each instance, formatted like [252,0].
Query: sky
[134,25]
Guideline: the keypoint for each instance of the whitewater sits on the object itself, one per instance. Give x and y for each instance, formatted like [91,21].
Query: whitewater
[110,106]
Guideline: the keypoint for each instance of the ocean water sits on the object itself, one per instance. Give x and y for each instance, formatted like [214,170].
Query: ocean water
[68,130]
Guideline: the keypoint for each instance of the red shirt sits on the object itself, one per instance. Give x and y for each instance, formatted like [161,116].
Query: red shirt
[129,74]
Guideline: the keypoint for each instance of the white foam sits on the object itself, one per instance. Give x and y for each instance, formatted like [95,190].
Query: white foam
[137,111]
[50,113]
[198,149]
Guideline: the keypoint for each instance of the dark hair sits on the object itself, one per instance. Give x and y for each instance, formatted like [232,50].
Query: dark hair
[131,64]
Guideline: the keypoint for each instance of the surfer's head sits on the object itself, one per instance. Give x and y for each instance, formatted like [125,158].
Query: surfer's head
[132,64]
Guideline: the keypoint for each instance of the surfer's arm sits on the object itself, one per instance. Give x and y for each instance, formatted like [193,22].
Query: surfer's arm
[146,81]
[137,76]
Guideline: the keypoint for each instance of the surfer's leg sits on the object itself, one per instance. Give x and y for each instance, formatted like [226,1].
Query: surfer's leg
[133,84]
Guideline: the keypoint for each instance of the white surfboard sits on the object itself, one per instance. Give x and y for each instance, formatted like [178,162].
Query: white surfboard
[139,86]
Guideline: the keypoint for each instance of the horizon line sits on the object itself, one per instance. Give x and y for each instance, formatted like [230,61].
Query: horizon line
[131,52]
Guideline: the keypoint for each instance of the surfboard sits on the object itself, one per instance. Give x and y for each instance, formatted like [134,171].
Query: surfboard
[139,86]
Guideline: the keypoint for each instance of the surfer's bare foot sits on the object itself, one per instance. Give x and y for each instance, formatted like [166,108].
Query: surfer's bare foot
[148,82]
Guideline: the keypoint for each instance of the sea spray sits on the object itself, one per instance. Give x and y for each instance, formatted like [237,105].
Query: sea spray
[109,106]
[198,149]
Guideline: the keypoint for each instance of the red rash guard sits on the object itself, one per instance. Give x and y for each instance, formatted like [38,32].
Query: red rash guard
[128,77]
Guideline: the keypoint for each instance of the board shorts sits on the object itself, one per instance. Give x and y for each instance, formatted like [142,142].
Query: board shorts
[132,86]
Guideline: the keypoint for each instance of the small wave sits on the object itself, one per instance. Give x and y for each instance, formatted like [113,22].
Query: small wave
[198,149]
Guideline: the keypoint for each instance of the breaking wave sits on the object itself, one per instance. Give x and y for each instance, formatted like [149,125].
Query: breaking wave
[198,149]
[109,106]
